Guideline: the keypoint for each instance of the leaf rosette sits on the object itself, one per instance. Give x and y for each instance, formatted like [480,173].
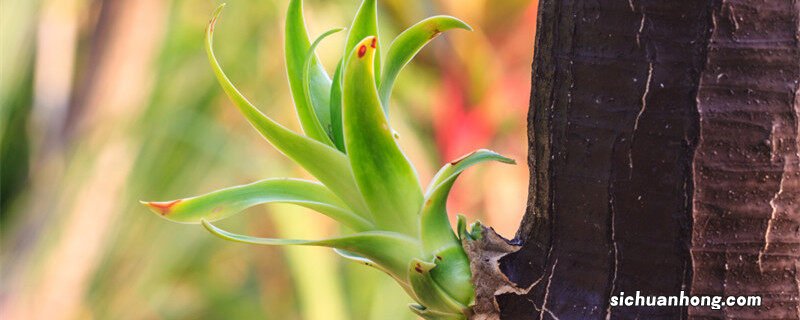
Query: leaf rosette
[366,182]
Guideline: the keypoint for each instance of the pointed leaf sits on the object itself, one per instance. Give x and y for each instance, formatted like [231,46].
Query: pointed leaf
[455,167]
[408,44]
[318,89]
[365,24]
[327,164]
[384,175]
[461,228]
[436,229]
[226,202]
[322,113]
[336,108]
[389,250]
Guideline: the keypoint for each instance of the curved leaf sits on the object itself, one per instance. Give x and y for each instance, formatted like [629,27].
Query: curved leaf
[384,175]
[365,24]
[453,273]
[226,202]
[358,259]
[428,293]
[327,164]
[296,47]
[408,44]
[367,262]
[336,108]
[389,250]
[436,230]
[322,113]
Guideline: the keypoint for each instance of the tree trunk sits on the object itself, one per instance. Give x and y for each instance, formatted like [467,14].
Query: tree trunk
[665,157]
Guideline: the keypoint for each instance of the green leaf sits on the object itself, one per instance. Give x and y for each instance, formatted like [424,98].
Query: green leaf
[358,259]
[454,168]
[322,115]
[461,228]
[310,109]
[389,250]
[453,273]
[327,164]
[429,314]
[384,175]
[428,293]
[437,234]
[436,230]
[336,108]
[476,230]
[408,44]
[403,282]
[226,202]
[365,24]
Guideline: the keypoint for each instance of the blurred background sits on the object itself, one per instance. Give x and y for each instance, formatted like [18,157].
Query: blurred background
[106,102]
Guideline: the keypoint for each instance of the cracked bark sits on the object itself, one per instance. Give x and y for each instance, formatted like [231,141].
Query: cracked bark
[665,157]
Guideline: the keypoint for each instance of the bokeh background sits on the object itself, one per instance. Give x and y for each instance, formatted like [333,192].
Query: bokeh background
[106,102]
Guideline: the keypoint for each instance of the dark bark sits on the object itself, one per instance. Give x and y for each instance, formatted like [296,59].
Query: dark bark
[747,162]
[664,157]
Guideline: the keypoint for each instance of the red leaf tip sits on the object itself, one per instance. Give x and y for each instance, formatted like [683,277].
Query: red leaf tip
[162,208]
[456,161]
